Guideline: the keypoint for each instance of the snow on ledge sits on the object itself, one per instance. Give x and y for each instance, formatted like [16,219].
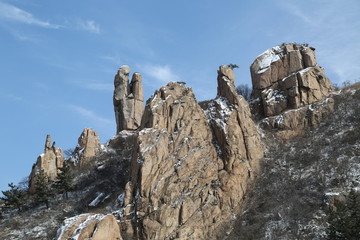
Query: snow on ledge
[269,56]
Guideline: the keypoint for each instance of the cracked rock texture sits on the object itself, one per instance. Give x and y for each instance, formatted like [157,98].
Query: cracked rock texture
[128,100]
[87,148]
[50,161]
[290,89]
[191,167]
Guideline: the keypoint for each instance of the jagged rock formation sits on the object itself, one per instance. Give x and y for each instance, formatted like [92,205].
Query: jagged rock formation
[88,146]
[190,171]
[50,161]
[288,77]
[90,226]
[128,100]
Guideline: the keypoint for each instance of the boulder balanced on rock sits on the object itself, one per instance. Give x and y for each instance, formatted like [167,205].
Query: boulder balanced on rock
[128,100]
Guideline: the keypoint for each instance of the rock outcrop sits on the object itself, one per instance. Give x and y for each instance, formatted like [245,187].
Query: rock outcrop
[128,100]
[287,77]
[50,161]
[88,146]
[190,171]
[90,226]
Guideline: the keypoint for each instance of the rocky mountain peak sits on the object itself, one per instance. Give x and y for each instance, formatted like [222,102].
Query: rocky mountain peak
[88,146]
[191,165]
[50,161]
[288,77]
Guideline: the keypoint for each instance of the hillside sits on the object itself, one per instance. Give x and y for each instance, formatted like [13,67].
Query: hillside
[284,166]
[302,180]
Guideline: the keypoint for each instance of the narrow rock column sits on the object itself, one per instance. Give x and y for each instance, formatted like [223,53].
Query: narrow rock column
[128,100]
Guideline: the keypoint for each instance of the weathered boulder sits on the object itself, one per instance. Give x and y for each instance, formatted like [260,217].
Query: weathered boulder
[88,146]
[50,161]
[190,171]
[290,89]
[90,226]
[128,100]
[288,77]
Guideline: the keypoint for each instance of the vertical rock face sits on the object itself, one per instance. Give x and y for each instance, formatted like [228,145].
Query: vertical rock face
[128,100]
[285,78]
[50,161]
[191,168]
[288,77]
[88,146]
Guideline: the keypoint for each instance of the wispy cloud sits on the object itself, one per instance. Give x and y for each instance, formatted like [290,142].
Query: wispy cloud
[89,25]
[333,30]
[100,86]
[90,115]
[12,13]
[11,97]
[161,73]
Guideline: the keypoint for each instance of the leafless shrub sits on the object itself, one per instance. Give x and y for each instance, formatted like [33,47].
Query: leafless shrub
[244,90]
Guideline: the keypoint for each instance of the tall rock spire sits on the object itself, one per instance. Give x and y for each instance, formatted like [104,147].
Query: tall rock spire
[50,161]
[128,100]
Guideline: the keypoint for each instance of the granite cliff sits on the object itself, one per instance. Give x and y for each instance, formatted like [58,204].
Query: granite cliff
[182,169]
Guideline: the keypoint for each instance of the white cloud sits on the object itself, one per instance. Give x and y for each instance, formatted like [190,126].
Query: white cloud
[12,13]
[89,25]
[100,86]
[90,115]
[11,97]
[332,27]
[161,73]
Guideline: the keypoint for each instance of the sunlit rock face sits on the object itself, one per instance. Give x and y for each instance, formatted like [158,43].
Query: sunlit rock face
[192,165]
[50,161]
[287,77]
[128,100]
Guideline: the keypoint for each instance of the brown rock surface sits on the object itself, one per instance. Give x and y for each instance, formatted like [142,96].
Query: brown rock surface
[88,146]
[90,226]
[50,161]
[288,77]
[128,100]
[190,171]
[289,88]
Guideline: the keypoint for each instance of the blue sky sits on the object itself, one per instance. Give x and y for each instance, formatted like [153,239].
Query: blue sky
[58,58]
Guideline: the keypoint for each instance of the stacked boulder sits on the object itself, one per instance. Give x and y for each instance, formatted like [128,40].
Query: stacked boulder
[288,77]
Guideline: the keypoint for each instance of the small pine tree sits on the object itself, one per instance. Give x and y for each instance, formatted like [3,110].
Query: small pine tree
[43,189]
[14,198]
[64,180]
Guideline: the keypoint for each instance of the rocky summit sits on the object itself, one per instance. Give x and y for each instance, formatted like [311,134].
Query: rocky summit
[49,162]
[182,169]
[288,84]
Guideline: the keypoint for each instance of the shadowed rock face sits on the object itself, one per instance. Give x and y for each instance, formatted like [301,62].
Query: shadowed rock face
[50,161]
[128,100]
[290,89]
[191,167]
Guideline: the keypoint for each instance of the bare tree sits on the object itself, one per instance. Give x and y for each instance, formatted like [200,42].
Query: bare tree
[244,90]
